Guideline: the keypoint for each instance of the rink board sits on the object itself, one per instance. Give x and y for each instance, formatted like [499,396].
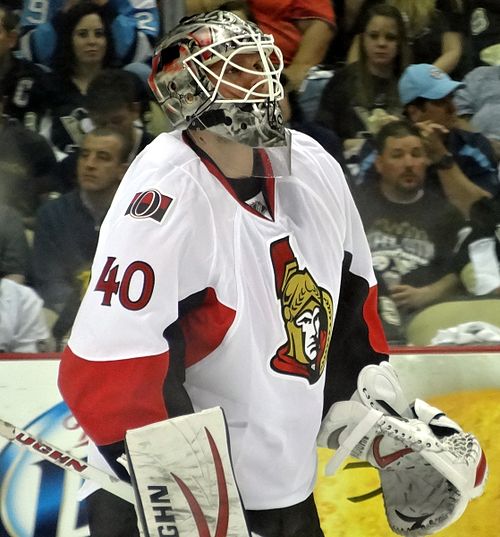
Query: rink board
[37,499]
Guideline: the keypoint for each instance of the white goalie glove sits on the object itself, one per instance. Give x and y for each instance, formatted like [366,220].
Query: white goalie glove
[429,468]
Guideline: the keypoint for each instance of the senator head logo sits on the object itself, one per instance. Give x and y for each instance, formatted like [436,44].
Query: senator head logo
[307,312]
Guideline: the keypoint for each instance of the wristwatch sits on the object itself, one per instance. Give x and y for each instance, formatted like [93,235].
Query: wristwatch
[445,162]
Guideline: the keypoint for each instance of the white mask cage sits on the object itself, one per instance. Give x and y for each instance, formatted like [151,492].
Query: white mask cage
[202,79]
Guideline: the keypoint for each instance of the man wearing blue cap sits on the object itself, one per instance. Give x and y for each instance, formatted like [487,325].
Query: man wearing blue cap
[427,82]
[463,161]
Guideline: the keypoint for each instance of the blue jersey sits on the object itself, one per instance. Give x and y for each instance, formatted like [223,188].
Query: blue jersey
[135,27]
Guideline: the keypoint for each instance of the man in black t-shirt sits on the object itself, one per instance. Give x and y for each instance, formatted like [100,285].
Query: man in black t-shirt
[411,232]
[464,166]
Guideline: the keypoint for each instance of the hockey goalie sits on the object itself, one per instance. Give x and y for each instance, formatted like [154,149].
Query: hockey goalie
[429,467]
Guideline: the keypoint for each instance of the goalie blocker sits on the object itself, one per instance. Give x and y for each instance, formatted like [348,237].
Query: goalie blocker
[429,468]
[183,477]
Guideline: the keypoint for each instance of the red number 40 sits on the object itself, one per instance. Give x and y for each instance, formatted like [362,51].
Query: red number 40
[109,285]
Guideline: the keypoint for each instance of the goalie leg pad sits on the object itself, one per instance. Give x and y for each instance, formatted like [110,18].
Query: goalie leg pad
[183,477]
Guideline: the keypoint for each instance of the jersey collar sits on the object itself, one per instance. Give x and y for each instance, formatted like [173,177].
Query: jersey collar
[262,167]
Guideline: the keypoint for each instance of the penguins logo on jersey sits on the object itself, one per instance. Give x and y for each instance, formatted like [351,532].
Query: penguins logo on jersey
[307,312]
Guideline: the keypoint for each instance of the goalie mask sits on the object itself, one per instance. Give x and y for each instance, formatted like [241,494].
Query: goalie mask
[193,79]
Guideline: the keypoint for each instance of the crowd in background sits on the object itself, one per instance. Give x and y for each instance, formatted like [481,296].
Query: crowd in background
[405,94]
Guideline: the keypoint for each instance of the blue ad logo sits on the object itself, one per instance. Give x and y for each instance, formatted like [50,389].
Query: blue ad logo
[37,498]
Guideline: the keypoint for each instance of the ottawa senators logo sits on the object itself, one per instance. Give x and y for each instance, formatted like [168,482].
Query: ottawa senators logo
[307,312]
[149,204]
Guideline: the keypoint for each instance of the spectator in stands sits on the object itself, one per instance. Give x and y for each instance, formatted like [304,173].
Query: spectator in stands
[23,327]
[435,31]
[24,83]
[478,103]
[301,29]
[113,100]
[14,248]
[134,26]
[484,25]
[427,95]
[67,228]
[479,254]
[464,166]
[26,166]
[370,84]
[84,48]
[411,232]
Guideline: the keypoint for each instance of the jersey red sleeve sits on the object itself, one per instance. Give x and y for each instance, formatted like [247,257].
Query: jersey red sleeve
[204,327]
[109,397]
[126,394]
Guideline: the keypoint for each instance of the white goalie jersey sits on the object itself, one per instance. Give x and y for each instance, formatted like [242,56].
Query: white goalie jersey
[254,299]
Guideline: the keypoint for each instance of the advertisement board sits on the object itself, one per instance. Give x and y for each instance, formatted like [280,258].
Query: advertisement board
[38,499]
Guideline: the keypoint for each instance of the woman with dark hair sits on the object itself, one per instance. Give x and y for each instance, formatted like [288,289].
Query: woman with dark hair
[435,28]
[135,27]
[369,85]
[84,48]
